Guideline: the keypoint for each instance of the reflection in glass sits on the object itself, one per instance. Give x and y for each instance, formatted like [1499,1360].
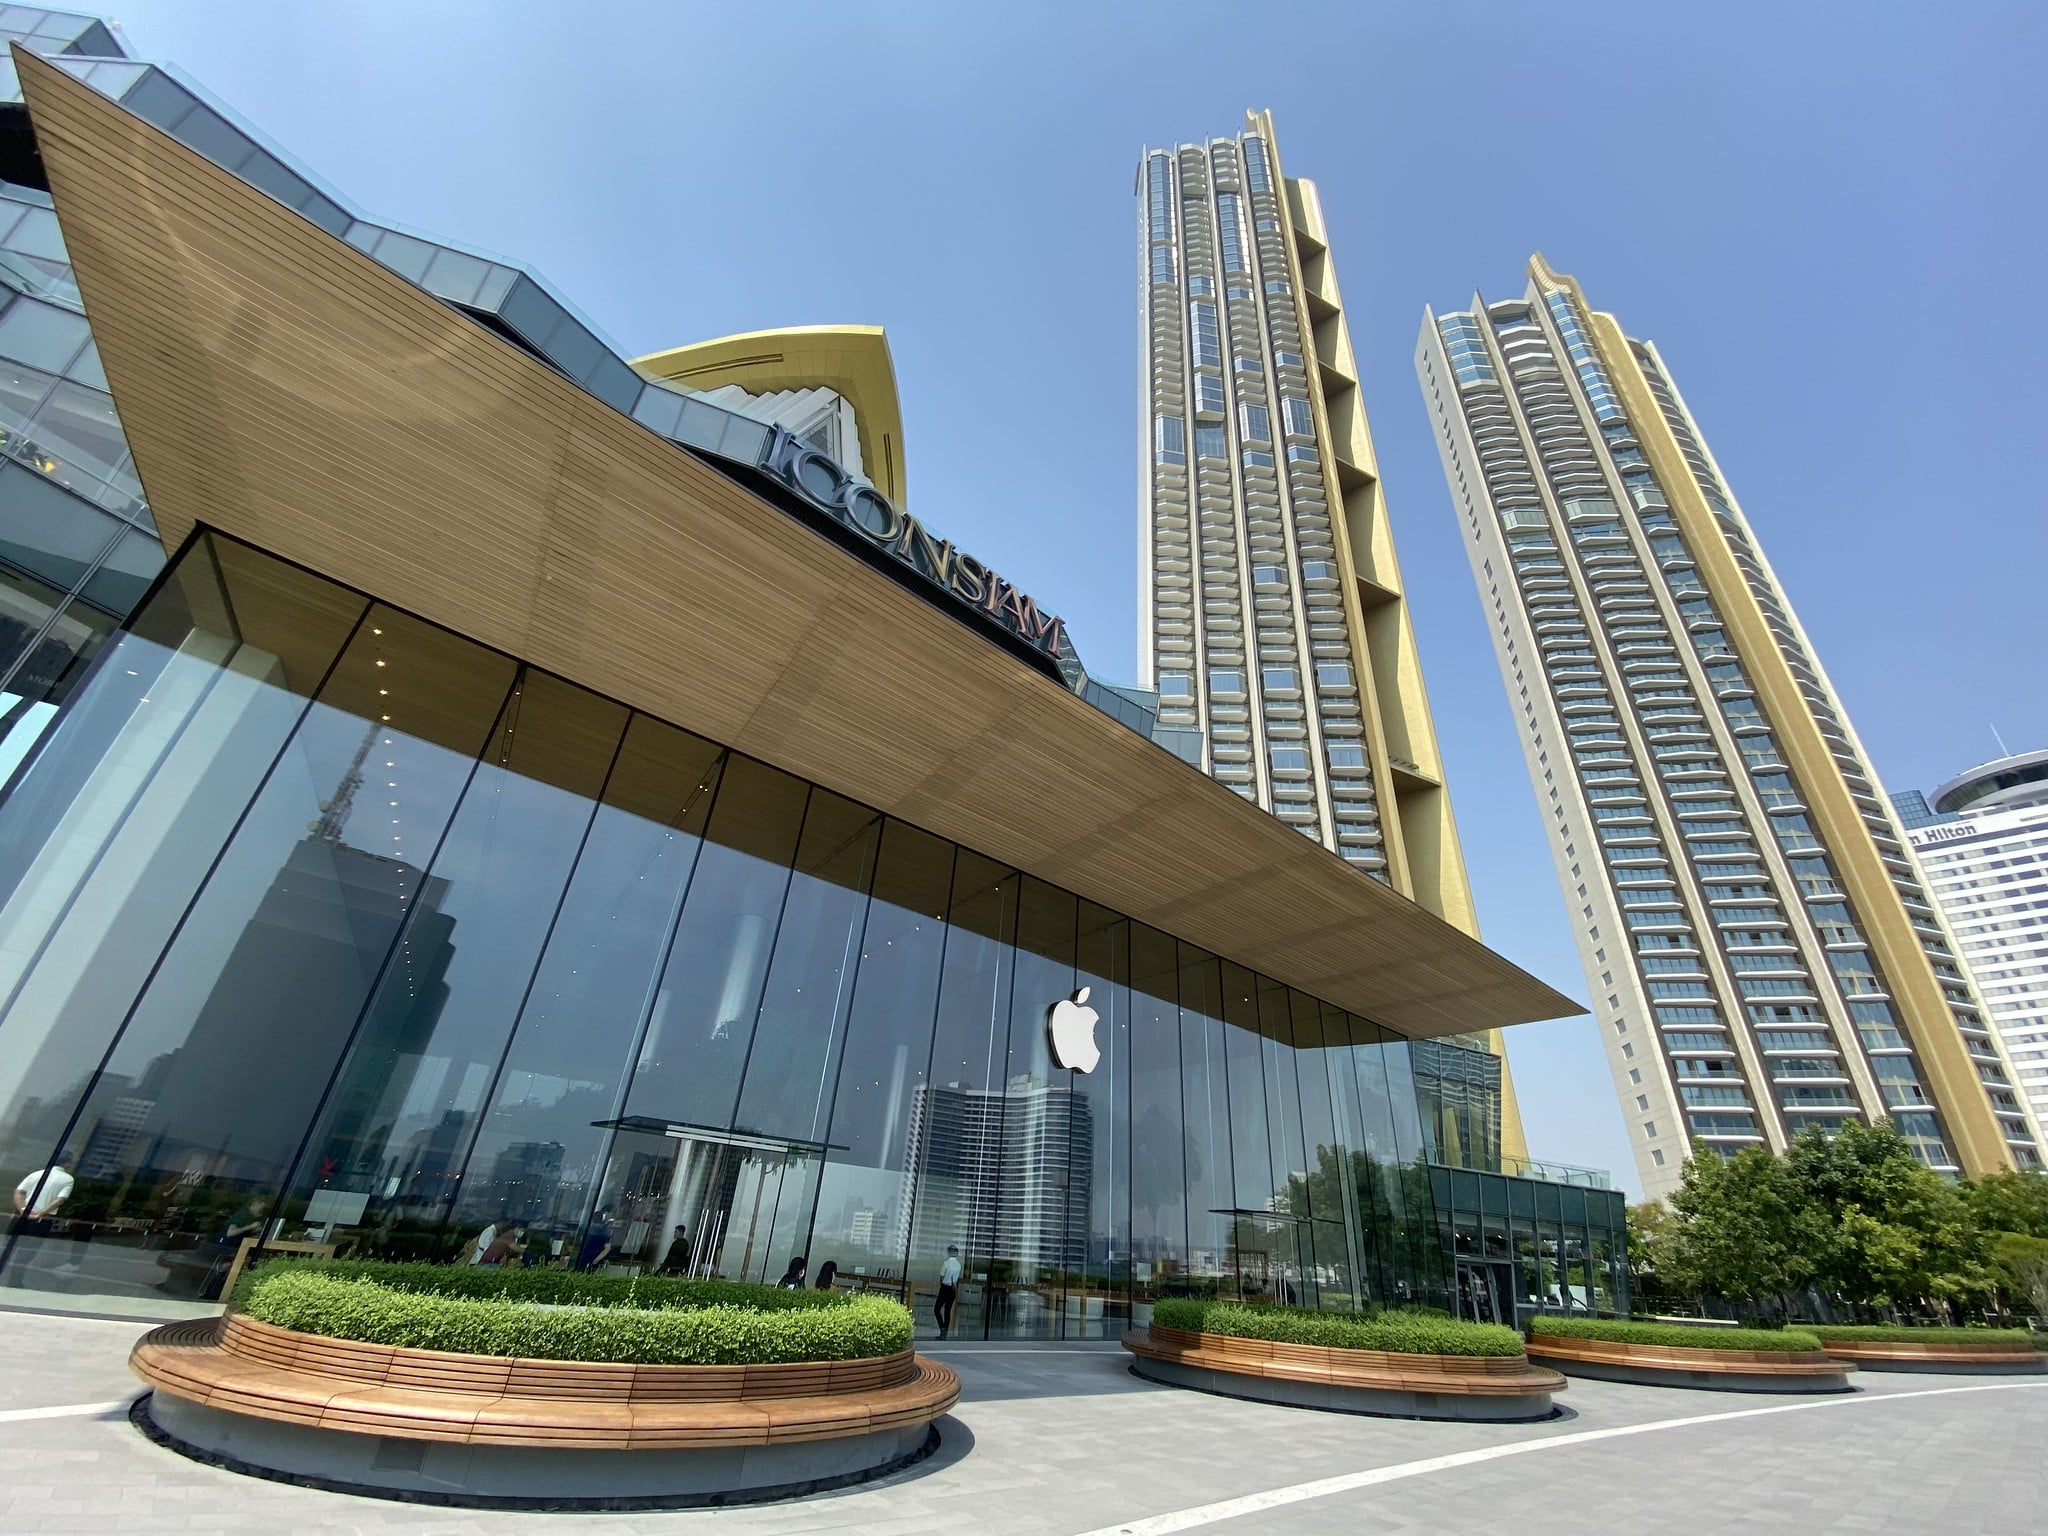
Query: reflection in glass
[320,922]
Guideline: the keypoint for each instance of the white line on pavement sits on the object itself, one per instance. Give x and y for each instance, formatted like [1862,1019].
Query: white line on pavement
[1274,1498]
[65,1411]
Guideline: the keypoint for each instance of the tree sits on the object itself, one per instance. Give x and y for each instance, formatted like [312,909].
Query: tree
[1895,1231]
[2020,1263]
[2011,1202]
[1651,1237]
[1743,1229]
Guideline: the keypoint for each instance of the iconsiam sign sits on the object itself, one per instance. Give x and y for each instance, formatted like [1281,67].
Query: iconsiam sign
[960,578]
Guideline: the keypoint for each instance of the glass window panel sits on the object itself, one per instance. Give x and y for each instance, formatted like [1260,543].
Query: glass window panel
[122,578]
[1361,1130]
[864,1198]
[271,177]
[795,1060]
[408,257]
[1326,1192]
[196,1112]
[420,1068]
[214,137]
[1045,1152]
[542,1146]
[1285,1154]
[38,235]
[46,531]
[1205,1103]
[1099,1306]
[455,276]
[688,1071]
[86,369]
[79,424]
[1260,1251]
[787,1091]
[42,336]
[955,1131]
[21,391]
[1159,1226]
[44,646]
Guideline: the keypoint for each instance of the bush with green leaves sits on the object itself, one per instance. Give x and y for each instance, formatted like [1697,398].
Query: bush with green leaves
[731,1330]
[556,1287]
[1407,1333]
[1975,1338]
[1675,1335]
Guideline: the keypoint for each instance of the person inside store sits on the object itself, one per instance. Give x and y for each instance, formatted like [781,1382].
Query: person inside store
[507,1250]
[677,1260]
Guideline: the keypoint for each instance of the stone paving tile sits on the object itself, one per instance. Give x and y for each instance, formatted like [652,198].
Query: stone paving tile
[1048,1443]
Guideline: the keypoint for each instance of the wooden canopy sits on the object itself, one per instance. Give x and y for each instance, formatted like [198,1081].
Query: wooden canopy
[280,386]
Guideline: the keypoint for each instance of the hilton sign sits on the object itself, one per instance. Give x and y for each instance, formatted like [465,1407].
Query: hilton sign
[959,578]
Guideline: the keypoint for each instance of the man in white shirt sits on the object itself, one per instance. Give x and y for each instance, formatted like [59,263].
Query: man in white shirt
[42,1192]
[949,1290]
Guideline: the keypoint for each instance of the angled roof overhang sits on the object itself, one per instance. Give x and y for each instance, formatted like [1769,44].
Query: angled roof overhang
[278,385]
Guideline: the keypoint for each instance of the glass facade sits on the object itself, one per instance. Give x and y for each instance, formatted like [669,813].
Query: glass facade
[319,920]
[1518,1246]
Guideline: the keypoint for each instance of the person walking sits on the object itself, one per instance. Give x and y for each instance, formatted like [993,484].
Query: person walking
[949,1290]
[827,1273]
[793,1277]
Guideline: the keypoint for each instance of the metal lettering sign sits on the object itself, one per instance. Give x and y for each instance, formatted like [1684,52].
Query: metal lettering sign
[959,577]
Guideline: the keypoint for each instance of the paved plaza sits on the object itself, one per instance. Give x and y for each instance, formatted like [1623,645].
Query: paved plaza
[1062,1441]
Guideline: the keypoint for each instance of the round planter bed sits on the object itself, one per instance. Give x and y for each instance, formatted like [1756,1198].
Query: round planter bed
[1494,1388]
[492,1431]
[1946,1357]
[1712,1370]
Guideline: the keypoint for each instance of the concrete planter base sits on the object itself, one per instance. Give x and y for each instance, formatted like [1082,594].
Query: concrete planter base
[1491,1389]
[1706,1370]
[510,1478]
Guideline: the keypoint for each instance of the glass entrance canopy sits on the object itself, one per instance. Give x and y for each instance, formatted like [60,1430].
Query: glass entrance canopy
[322,921]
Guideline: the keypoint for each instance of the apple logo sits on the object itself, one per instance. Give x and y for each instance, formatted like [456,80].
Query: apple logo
[1070,1027]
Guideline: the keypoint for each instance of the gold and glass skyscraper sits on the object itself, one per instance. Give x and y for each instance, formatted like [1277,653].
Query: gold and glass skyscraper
[1271,615]
[1762,954]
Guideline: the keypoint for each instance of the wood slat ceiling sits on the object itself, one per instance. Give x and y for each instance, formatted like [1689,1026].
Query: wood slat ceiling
[278,385]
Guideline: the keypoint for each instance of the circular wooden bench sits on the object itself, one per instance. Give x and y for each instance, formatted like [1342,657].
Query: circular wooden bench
[493,1431]
[1945,1359]
[1495,1388]
[1712,1370]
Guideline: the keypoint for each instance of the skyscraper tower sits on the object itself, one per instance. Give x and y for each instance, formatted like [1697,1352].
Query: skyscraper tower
[1271,612]
[1762,954]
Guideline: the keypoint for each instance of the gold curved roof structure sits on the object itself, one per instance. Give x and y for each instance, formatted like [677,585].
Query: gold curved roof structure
[852,359]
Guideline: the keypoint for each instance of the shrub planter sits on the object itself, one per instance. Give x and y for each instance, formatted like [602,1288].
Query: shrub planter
[1638,1355]
[1492,1388]
[1942,1351]
[501,1432]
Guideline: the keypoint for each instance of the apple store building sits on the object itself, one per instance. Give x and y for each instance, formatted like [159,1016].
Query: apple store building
[531,797]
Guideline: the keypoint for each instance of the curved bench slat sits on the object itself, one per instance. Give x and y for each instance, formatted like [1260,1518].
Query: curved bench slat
[1451,1375]
[252,1368]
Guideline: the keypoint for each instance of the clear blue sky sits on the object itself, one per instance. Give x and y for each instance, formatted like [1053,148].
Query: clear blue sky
[1828,216]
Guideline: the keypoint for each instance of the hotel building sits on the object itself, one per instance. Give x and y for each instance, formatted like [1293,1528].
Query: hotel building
[1761,951]
[1983,852]
[521,783]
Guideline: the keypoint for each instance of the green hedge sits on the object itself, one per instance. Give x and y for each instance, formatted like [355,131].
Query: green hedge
[558,1287]
[314,1299]
[1408,1333]
[1676,1335]
[1976,1338]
